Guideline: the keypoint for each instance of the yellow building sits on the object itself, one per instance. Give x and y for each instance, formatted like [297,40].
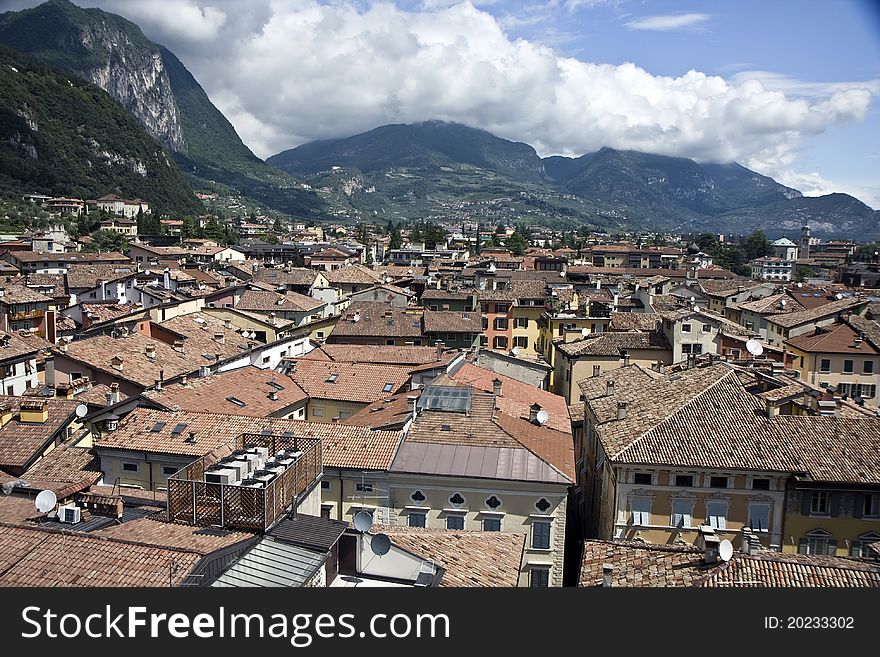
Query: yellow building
[839,356]
[826,518]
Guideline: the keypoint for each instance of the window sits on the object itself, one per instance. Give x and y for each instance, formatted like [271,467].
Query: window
[317,411]
[332,378]
[869,505]
[539,578]
[417,519]
[363,488]
[500,324]
[682,511]
[455,521]
[685,328]
[868,367]
[760,484]
[521,341]
[717,514]
[707,328]
[860,547]
[500,342]
[848,366]
[326,511]
[685,481]
[484,307]
[418,497]
[820,503]
[521,323]
[541,535]
[825,365]
[759,517]
[485,323]
[456,499]
[641,511]
[543,505]
[130,467]
[236,401]
[845,389]
[319,335]
[168,470]
[643,478]
[491,524]
[718,482]
[493,502]
[325,484]
[389,341]
[867,391]
[818,541]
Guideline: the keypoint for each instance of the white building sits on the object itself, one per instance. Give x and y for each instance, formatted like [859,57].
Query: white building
[786,249]
[772,269]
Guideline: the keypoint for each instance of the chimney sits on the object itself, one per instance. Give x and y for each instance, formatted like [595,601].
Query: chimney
[117,363]
[440,347]
[64,390]
[273,396]
[220,337]
[621,410]
[609,388]
[626,360]
[227,324]
[710,543]
[857,342]
[183,380]
[178,346]
[496,387]
[35,411]
[596,370]
[113,396]
[534,409]
[607,572]
[158,384]
[6,412]
[191,438]
[772,408]
[150,351]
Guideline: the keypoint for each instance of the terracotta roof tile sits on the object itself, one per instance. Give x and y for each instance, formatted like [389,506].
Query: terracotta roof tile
[355,382]
[21,442]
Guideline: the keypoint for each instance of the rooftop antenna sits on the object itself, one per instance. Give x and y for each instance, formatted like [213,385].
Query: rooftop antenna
[754,347]
[725,550]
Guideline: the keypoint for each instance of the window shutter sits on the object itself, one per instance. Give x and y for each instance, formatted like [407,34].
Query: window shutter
[802,546]
[835,504]
[806,498]
[859,509]
[832,547]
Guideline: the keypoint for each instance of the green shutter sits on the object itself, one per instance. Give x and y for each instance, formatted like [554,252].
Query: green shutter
[835,504]
[806,497]
[859,509]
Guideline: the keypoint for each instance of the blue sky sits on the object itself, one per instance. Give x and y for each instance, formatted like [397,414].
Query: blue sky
[790,88]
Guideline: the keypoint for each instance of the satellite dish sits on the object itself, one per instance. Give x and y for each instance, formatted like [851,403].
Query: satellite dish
[82,410]
[800,284]
[725,550]
[362,521]
[754,347]
[696,309]
[515,351]
[585,332]
[693,299]
[45,501]
[542,417]
[380,544]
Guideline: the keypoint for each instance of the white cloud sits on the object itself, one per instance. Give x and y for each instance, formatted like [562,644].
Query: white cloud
[175,19]
[667,22]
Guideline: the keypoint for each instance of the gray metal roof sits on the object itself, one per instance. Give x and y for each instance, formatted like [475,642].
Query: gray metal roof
[307,531]
[273,563]
[474,461]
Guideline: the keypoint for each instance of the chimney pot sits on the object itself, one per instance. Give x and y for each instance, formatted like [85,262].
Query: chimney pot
[596,370]
[621,410]
[534,409]
[607,572]
[496,387]
[609,388]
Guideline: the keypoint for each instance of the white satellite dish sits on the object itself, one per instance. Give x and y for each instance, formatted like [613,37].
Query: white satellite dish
[380,544]
[515,351]
[725,550]
[696,309]
[754,347]
[45,501]
[82,410]
[362,521]
[542,417]
[693,299]
[585,332]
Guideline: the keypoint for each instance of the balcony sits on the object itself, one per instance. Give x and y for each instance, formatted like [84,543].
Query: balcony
[26,314]
[277,471]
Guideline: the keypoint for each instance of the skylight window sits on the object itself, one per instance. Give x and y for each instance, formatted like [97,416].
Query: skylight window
[157,427]
[387,387]
[178,428]
[276,385]
[332,378]
[236,401]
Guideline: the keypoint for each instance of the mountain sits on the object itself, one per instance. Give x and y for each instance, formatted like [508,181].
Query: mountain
[432,169]
[157,89]
[66,137]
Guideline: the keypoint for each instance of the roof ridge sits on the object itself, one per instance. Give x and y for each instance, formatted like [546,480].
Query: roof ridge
[678,409]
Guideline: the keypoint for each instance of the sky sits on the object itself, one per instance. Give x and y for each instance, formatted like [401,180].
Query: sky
[789,88]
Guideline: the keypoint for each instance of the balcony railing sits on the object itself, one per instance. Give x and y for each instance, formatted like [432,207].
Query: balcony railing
[194,501]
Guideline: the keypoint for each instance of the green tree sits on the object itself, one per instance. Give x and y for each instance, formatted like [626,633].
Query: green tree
[105,241]
[277,226]
[517,243]
[396,239]
[756,245]
[271,239]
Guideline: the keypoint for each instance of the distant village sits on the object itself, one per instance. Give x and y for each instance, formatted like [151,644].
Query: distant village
[456,405]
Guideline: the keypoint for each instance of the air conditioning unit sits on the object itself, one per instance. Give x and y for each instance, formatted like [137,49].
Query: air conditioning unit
[221,476]
[70,513]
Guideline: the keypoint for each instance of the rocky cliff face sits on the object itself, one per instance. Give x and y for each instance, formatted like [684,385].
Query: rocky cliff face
[136,78]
